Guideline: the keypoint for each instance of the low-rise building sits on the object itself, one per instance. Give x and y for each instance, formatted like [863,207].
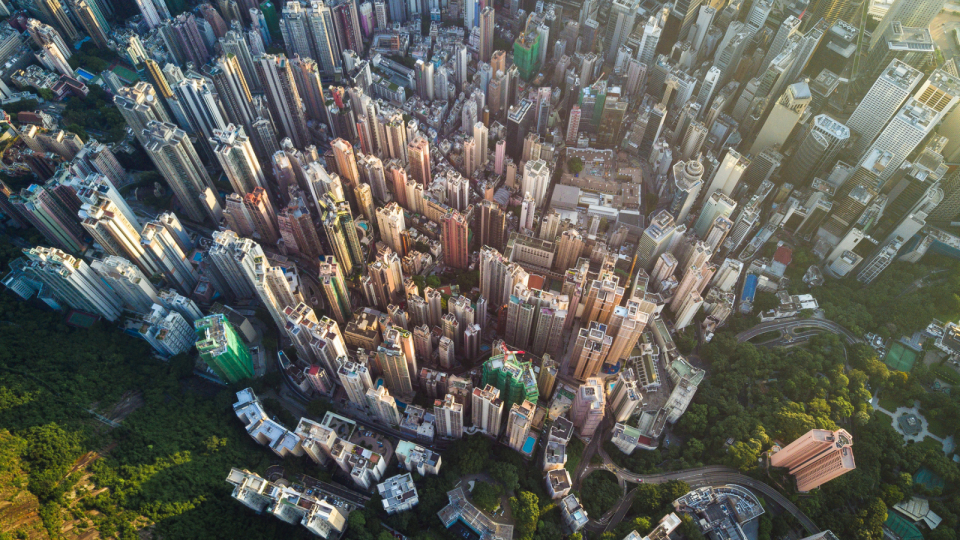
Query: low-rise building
[625,438]
[574,515]
[398,493]
[558,483]
[285,502]
[416,458]
[554,456]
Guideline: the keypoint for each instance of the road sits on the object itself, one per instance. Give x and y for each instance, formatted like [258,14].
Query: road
[788,325]
[713,475]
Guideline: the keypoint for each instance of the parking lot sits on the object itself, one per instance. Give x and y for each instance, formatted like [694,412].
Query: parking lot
[374,441]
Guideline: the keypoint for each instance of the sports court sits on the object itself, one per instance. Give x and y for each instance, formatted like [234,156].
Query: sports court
[900,358]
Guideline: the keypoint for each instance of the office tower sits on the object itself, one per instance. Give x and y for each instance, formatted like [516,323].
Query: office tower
[95,27]
[888,93]
[625,397]
[455,237]
[520,118]
[689,180]
[174,156]
[140,105]
[654,240]
[817,150]
[449,415]
[280,88]
[912,13]
[341,232]
[487,410]
[334,287]
[480,136]
[817,457]
[783,117]
[588,407]
[590,350]
[717,205]
[620,23]
[912,46]
[233,43]
[235,154]
[536,180]
[727,174]
[911,125]
[651,37]
[72,281]
[728,56]
[526,54]
[222,349]
[487,22]
[519,421]
[880,260]
[54,216]
[233,90]
[134,289]
[383,405]
[53,13]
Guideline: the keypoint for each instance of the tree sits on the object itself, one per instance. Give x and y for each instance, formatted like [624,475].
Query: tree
[526,512]
[46,94]
[506,473]
[647,499]
[603,490]
[486,496]
[318,408]
[574,165]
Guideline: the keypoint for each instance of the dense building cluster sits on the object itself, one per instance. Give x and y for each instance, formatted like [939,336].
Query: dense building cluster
[453,238]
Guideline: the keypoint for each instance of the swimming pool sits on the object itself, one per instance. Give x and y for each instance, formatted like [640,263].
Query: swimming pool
[84,74]
[528,445]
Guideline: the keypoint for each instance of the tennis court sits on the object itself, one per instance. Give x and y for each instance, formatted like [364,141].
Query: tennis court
[900,358]
[80,319]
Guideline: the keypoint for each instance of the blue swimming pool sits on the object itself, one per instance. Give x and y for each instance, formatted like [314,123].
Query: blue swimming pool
[84,74]
[528,445]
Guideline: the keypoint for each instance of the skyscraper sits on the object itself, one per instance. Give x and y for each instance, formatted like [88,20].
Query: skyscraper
[588,407]
[286,108]
[73,282]
[334,288]
[783,117]
[518,424]
[140,105]
[174,156]
[817,457]
[884,99]
[689,180]
[536,180]
[162,250]
[96,27]
[455,236]
[136,291]
[235,154]
[222,349]
[620,22]
[487,23]
[449,415]
[52,215]
[526,54]
[54,14]
[590,350]
[817,150]
[233,90]
[341,232]
[717,205]
[487,409]
[913,13]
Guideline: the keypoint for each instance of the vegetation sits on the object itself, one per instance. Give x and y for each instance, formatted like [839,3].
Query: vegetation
[755,394]
[19,106]
[891,305]
[96,112]
[486,496]
[574,165]
[574,455]
[93,59]
[600,493]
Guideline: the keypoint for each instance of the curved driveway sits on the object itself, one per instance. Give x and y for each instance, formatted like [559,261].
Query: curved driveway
[787,325]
